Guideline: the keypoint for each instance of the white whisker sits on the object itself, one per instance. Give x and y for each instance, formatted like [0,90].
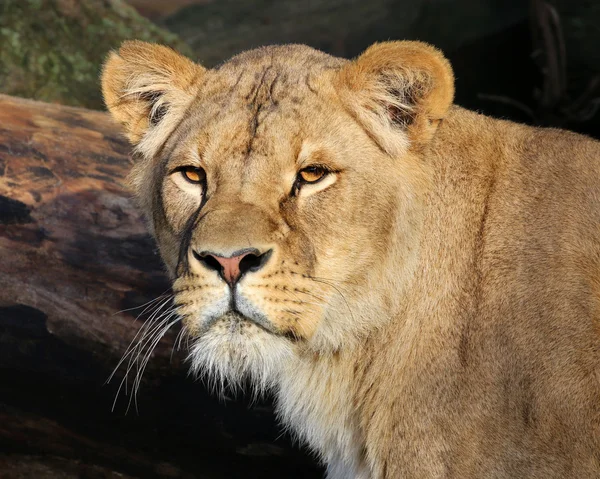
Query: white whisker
[142,339]
[149,350]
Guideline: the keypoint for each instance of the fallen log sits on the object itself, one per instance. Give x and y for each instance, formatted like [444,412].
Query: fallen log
[73,253]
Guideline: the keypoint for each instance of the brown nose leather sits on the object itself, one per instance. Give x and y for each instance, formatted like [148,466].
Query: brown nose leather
[231,267]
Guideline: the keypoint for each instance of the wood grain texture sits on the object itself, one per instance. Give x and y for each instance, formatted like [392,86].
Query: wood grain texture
[73,253]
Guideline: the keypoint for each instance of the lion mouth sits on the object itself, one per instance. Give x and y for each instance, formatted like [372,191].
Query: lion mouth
[233,313]
[237,322]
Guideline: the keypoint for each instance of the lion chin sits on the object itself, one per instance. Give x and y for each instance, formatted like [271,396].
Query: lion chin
[234,352]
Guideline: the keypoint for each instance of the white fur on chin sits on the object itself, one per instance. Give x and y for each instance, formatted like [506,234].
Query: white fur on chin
[234,350]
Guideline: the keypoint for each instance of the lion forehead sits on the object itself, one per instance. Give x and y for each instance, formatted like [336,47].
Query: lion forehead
[291,57]
[262,78]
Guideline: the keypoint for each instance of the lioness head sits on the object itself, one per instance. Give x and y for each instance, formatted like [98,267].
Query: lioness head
[284,189]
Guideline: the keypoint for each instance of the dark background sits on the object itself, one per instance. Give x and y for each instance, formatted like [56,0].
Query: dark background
[535,62]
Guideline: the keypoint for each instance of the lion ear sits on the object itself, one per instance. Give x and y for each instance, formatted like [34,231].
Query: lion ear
[146,85]
[399,92]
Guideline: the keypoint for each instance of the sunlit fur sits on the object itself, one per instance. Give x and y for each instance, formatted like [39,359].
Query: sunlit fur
[430,308]
[234,351]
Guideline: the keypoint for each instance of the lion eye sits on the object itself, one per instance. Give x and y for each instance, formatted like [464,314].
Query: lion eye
[193,174]
[312,174]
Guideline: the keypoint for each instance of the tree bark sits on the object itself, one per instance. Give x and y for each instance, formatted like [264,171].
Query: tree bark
[73,253]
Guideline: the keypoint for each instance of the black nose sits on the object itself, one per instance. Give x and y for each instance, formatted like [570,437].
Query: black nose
[233,268]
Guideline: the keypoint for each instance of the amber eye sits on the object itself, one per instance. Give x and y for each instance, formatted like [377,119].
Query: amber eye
[193,174]
[312,174]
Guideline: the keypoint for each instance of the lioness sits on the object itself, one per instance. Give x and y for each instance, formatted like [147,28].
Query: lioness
[418,284]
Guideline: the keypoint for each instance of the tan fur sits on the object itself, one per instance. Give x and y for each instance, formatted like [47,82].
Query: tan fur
[429,309]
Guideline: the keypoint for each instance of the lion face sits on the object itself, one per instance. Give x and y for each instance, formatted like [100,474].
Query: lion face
[284,189]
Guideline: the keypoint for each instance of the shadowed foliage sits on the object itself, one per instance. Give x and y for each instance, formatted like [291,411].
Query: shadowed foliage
[52,49]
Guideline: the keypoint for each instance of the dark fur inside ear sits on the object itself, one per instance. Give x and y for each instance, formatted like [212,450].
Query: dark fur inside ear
[157,109]
[402,112]
[158,114]
[401,117]
[151,96]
